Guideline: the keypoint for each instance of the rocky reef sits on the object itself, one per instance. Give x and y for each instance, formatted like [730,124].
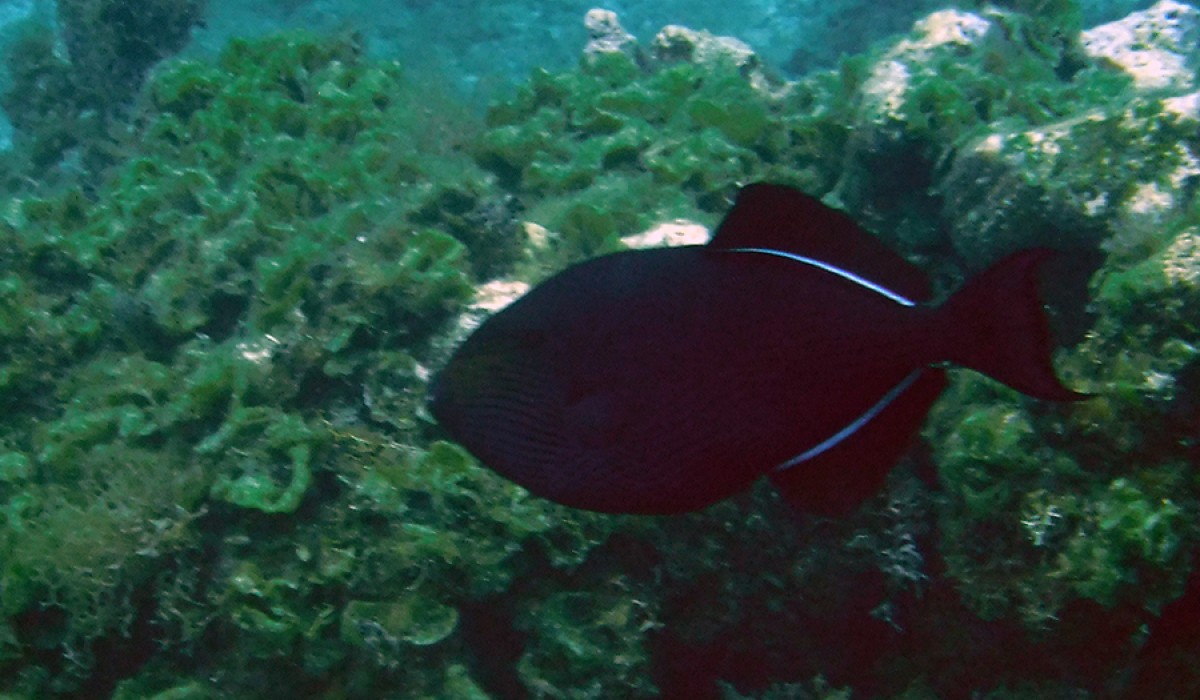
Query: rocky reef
[69,92]
[217,477]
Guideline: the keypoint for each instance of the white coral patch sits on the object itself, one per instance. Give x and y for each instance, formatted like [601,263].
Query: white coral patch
[258,351]
[1183,107]
[886,87]
[1149,198]
[1096,206]
[489,299]
[1181,263]
[951,27]
[606,35]
[497,294]
[992,145]
[1047,142]
[1155,47]
[675,42]
[538,236]
[672,233]
[945,28]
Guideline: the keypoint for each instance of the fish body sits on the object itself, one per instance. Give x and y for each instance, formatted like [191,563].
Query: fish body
[793,345]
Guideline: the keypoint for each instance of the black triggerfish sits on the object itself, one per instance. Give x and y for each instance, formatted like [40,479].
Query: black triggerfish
[793,345]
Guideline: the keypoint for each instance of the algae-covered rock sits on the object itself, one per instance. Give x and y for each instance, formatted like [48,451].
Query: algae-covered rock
[216,460]
[112,45]
[585,644]
[996,131]
[1088,503]
[618,145]
[889,95]
[1156,47]
[385,627]
[1102,177]
[928,102]
[272,453]
[86,544]
[72,91]
[606,35]
[182,322]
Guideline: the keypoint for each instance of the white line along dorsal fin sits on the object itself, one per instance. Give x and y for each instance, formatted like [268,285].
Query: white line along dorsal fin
[783,221]
[846,274]
[854,425]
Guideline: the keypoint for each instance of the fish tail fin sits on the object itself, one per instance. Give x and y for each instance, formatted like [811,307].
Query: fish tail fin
[997,327]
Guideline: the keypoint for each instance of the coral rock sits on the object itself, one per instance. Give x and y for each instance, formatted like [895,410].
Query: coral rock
[1181,260]
[671,233]
[885,89]
[676,43]
[606,35]
[1158,46]
[497,294]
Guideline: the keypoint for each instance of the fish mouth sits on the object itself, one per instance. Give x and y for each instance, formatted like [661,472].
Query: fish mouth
[450,394]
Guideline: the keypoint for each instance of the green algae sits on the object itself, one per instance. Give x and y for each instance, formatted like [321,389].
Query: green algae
[384,627]
[272,465]
[69,94]
[216,362]
[1073,520]
[695,128]
[178,327]
[587,640]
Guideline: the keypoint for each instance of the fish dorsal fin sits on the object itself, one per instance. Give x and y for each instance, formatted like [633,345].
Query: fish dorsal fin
[782,220]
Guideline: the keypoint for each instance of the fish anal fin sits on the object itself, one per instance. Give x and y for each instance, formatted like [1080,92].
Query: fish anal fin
[782,218]
[838,480]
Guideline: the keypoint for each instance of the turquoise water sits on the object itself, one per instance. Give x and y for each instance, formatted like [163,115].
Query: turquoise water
[238,239]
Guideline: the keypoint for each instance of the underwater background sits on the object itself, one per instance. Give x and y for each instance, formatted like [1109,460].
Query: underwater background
[237,239]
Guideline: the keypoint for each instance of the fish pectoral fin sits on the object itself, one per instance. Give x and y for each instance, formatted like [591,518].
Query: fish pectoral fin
[837,479]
